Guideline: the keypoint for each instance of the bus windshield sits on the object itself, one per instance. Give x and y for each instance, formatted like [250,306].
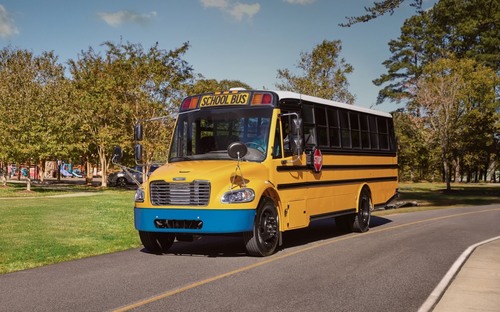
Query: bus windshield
[206,133]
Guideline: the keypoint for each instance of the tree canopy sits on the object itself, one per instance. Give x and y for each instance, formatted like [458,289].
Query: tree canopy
[464,28]
[444,66]
[126,84]
[35,107]
[323,74]
[380,8]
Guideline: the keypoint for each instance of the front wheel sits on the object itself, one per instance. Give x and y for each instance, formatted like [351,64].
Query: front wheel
[157,242]
[264,238]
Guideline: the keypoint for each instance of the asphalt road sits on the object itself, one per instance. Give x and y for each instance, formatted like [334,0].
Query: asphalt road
[392,267]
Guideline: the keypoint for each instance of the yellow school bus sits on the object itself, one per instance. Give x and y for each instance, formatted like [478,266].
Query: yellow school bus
[258,163]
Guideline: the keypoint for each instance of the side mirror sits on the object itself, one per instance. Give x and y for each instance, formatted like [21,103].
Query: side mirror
[117,155]
[296,126]
[297,145]
[138,132]
[297,136]
[237,150]
[138,153]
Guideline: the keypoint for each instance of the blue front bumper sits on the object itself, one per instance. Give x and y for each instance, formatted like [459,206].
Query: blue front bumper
[212,221]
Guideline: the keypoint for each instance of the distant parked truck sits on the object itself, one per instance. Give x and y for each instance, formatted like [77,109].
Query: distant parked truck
[122,179]
[259,163]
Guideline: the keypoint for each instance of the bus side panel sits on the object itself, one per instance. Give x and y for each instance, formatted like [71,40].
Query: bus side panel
[295,214]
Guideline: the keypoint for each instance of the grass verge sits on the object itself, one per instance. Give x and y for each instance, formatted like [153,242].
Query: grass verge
[44,229]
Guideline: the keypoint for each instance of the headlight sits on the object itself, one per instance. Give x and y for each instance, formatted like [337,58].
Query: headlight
[139,195]
[243,195]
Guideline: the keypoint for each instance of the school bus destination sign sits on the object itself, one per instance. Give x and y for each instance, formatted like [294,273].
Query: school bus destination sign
[225,99]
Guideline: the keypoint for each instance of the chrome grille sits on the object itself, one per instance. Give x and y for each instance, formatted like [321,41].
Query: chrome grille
[196,193]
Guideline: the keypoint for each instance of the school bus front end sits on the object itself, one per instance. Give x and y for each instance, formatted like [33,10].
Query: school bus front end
[216,174]
[199,198]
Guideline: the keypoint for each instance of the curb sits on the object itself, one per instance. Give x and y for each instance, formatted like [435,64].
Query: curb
[441,288]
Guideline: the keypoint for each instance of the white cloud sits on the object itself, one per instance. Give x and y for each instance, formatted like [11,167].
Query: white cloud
[302,2]
[236,9]
[220,4]
[117,18]
[7,26]
[240,10]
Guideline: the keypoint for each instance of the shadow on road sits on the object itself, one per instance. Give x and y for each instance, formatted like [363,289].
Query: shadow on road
[233,246]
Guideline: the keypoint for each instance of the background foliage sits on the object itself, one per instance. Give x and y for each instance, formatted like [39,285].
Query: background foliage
[443,71]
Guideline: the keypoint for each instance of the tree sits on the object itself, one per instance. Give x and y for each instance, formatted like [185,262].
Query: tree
[380,8]
[35,108]
[452,95]
[415,155]
[465,28]
[210,85]
[126,85]
[324,74]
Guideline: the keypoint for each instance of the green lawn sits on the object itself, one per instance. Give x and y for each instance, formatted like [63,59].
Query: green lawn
[75,223]
[55,223]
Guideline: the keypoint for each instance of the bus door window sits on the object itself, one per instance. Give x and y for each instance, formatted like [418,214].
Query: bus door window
[277,148]
[287,128]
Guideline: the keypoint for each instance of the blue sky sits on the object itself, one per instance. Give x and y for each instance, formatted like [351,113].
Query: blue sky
[246,40]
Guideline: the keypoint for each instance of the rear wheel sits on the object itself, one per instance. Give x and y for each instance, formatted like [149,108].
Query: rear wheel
[156,242]
[264,238]
[362,219]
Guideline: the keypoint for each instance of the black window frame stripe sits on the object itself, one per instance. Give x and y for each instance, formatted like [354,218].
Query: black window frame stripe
[285,186]
[337,167]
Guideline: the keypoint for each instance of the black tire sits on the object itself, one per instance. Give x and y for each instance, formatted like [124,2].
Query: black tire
[156,242]
[362,219]
[121,182]
[264,238]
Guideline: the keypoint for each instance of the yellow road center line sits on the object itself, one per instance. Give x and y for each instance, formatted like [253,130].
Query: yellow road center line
[282,256]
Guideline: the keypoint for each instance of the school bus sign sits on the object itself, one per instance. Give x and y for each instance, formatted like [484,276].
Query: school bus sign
[241,98]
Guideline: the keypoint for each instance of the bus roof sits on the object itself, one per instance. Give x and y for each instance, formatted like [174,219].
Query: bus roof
[297,96]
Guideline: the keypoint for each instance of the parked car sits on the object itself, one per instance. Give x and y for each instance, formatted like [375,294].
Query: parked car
[122,179]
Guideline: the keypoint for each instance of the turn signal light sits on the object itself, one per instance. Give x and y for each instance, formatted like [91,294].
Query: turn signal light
[189,103]
[262,98]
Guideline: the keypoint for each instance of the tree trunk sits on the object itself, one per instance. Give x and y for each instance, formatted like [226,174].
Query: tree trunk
[104,166]
[457,170]
[447,175]
[42,176]
[58,173]
[446,169]
[88,173]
